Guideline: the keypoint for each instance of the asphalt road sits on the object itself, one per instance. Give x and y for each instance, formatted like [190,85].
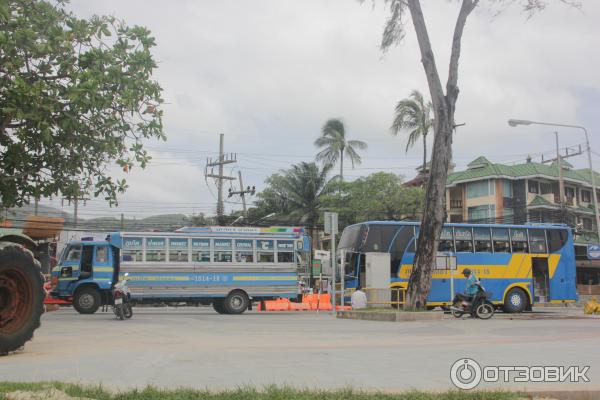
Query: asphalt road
[195,347]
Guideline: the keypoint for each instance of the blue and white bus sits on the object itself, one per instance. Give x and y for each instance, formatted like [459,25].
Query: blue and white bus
[228,267]
[520,264]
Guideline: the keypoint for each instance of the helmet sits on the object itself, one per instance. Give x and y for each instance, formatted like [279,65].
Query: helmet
[466,272]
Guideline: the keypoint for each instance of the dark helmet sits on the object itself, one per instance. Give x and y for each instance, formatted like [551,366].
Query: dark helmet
[466,272]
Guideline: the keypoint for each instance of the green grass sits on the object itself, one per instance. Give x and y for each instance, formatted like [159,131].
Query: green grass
[245,393]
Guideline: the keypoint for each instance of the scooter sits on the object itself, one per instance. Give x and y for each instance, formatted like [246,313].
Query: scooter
[121,299]
[479,307]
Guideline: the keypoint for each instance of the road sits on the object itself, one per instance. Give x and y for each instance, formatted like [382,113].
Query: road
[195,347]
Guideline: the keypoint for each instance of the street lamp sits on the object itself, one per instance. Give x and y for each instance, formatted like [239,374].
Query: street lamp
[515,122]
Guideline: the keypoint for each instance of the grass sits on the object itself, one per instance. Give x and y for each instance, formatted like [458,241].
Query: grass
[247,393]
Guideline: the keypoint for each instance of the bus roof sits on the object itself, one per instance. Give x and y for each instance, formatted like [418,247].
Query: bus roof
[457,224]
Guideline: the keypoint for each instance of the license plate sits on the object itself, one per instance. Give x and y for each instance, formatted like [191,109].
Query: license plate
[118,301]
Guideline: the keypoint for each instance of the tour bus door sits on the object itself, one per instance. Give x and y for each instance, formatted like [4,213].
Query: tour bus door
[541,279]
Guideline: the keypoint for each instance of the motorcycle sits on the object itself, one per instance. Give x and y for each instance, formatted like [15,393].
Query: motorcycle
[479,307]
[121,299]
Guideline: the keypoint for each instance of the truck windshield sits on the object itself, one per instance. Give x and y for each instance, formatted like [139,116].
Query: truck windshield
[73,253]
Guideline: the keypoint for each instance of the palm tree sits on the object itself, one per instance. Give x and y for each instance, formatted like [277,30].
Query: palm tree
[333,138]
[414,115]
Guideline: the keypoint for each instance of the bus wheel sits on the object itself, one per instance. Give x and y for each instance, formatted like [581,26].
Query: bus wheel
[515,301]
[219,306]
[236,302]
[87,300]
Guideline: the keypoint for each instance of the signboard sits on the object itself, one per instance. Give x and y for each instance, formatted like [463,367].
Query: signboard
[132,243]
[200,244]
[155,243]
[593,251]
[178,244]
[317,267]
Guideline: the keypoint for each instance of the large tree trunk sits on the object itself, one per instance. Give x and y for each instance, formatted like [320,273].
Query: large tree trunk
[424,151]
[434,211]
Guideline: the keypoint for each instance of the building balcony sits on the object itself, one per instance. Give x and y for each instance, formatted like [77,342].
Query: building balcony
[454,204]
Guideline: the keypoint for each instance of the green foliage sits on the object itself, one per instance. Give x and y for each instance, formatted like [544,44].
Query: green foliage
[75,96]
[336,145]
[415,116]
[298,193]
[250,393]
[379,196]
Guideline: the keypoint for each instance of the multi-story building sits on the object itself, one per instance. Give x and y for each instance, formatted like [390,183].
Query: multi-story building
[528,192]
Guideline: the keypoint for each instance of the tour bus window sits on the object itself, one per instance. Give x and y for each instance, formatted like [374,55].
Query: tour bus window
[201,250]
[132,249]
[483,241]
[244,251]
[557,238]
[537,241]
[285,251]
[223,250]
[519,240]
[265,251]
[379,237]
[464,240]
[101,254]
[155,249]
[178,250]
[350,238]
[74,253]
[501,240]
[446,241]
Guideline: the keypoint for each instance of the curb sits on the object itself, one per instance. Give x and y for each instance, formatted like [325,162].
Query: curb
[394,316]
[565,394]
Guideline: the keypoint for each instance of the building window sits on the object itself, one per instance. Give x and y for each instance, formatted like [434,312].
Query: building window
[486,213]
[546,188]
[587,224]
[533,187]
[586,196]
[480,189]
[569,193]
[507,188]
[508,215]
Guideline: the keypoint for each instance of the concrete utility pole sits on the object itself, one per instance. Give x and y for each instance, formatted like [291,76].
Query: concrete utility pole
[223,159]
[242,192]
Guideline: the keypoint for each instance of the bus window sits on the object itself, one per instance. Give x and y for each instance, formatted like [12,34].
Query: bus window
[155,249]
[201,250]
[285,251]
[483,242]
[464,240]
[265,252]
[403,237]
[350,238]
[178,249]
[446,241]
[223,250]
[501,240]
[244,251]
[557,238]
[537,241]
[379,238]
[519,240]
[132,249]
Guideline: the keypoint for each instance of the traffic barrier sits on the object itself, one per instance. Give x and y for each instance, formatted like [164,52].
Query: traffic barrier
[310,302]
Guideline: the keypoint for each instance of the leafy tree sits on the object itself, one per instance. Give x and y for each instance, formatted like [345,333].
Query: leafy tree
[414,115]
[444,106]
[75,96]
[333,138]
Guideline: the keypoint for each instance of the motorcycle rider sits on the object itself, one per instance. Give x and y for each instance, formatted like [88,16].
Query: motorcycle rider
[471,288]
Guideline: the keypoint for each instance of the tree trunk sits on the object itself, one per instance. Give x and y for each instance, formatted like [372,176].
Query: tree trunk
[434,210]
[424,151]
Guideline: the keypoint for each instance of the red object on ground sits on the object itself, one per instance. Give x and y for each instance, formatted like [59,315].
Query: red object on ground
[50,300]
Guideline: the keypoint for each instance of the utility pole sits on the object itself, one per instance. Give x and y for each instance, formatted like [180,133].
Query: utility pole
[122,222]
[222,160]
[242,192]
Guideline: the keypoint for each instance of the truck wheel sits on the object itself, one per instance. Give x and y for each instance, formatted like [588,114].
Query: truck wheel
[86,300]
[219,306]
[236,302]
[21,297]
[516,301]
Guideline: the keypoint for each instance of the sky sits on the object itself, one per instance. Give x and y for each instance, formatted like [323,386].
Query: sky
[268,74]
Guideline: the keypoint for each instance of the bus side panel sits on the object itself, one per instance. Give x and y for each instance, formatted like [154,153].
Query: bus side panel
[563,281]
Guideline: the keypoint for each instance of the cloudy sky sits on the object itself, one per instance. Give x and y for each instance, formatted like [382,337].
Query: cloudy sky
[268,74]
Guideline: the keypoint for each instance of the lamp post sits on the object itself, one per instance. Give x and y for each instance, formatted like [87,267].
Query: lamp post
[515,122]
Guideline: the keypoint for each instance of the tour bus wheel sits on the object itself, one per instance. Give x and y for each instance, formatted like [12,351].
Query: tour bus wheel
[86,300]
[219,306]
[236,302]
[516,301]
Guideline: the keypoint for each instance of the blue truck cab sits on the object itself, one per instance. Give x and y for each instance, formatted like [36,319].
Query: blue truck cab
[85,274]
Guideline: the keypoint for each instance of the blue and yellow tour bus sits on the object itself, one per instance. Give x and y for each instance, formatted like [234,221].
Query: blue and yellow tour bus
[521,265]
[228,267]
